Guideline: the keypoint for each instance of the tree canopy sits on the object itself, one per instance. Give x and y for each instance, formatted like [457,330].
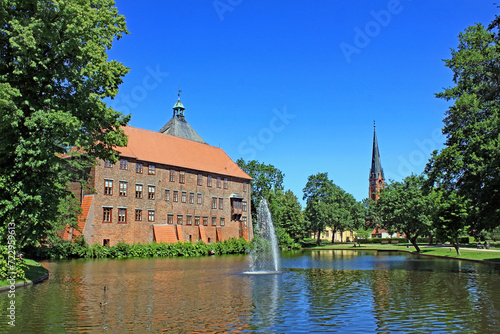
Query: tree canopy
[328,205]
[404,207]
[470,161]
[54,75]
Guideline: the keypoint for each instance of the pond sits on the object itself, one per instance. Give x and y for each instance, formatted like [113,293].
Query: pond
[320,291]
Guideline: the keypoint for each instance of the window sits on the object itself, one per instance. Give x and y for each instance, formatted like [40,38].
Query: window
[199,198]
[107,163]
[172,175]
[138,191]
[151,170]
[209,180]
[197,220]
[245,186]
[122,215]
[123,188]
[244,219]
[244,206]
[191,198]
[214,221]
[123,164]
[151,192]
[181,177]
[214,202]
[151,215]
[179,219]
[170,219]
[176,196]
[221,203]
[184,197]
[105,242]
[138,168]
[225,183]
[189,220]
[108,187]
[200,179]
[138,215]
[167,194]
[222,221]
[219,183]
[205,221]
[107,215]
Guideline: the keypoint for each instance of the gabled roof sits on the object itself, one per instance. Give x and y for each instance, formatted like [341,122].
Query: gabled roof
[161,148]
[179,127]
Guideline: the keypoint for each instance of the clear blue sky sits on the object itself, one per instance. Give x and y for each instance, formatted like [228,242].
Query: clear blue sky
[298,84]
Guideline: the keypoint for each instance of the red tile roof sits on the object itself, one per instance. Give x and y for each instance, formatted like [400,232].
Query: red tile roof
[169,150]
[82,218]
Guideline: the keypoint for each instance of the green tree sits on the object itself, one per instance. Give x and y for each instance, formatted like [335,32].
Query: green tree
[330,206]
[450,217]
[470,161]
[405,208]
[287,214]
[267,180]
[54,75]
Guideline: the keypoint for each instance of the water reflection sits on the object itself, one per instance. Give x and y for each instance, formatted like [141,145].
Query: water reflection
[322,291]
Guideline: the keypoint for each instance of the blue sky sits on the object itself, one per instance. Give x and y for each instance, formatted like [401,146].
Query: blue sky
[298,84]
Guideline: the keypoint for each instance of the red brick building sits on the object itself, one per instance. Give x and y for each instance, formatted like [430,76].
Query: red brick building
[168,186]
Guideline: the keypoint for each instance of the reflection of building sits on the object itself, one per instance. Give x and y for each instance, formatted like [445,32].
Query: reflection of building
[168,186]
[376,182]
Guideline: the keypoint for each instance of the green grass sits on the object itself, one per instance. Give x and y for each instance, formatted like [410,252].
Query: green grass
[33,271]
[445,251]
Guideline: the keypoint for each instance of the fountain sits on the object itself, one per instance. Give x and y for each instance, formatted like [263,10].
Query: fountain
[264,258]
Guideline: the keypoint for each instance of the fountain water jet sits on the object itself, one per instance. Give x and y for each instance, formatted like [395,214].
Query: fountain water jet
[265,258]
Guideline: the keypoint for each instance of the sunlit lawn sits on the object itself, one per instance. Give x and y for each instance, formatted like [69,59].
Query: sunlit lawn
[446,251]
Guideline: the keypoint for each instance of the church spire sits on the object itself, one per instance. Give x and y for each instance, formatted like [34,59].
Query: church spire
[376,171]
[178,107]
[376,179]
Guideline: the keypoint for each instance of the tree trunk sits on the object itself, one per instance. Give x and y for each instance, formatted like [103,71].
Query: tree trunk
[431,239]
[318,242]
[413,241]
[457,246]
[333,236]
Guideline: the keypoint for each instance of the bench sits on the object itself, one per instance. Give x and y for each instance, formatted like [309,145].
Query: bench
[394,242]
[384,242]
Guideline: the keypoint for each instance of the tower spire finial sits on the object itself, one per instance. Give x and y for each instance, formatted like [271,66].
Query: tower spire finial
[178,107]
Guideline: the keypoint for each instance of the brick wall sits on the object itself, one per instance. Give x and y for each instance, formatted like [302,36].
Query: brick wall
[133,231]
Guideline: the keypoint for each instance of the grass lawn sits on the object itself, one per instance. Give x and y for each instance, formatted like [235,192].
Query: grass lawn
[33,270]
[446,251]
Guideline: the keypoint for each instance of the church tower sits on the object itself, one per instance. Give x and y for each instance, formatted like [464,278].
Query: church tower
[376,179]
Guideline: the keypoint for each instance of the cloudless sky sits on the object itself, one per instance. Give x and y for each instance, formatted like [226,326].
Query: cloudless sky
[298,83]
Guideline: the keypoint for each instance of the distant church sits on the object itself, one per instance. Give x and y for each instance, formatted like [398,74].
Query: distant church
[167,186]
[376,182]
[376,178]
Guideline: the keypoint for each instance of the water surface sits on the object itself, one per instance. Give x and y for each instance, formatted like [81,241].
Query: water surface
[320,291]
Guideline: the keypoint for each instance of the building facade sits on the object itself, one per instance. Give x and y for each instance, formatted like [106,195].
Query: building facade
[167,186]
